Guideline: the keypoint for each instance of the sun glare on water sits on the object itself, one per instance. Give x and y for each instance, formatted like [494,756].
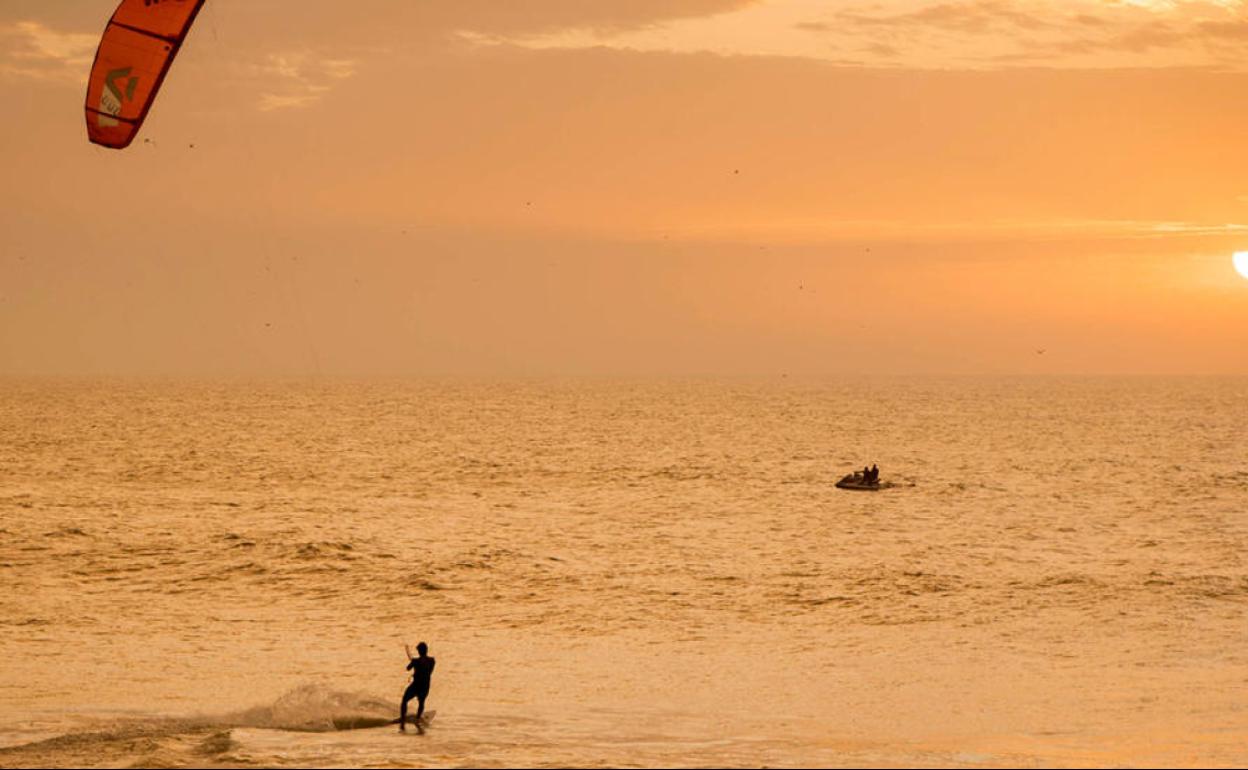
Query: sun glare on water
[1241,263]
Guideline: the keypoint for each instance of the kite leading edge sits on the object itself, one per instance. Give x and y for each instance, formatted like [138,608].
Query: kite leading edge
[138,46]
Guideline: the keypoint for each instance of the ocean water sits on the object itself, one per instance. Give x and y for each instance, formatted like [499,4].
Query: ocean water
[625,572]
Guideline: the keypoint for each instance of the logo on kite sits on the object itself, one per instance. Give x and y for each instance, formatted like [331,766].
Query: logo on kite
[112,96]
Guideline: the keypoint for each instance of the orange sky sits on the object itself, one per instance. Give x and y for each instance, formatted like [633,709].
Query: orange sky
[637,187]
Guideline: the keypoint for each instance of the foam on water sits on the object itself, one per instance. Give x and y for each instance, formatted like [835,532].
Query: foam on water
[168,741]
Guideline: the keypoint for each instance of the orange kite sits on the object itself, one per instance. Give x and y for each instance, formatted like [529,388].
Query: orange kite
[139,44]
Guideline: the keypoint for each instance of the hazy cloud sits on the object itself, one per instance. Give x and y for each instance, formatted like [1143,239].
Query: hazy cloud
[56,41]
[424,16]
[29,49]
[298,79]
[1070,33]
[976,17]
[548,15]
[414,25]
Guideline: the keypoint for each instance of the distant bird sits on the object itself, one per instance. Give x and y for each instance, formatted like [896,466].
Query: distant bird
[1040,352]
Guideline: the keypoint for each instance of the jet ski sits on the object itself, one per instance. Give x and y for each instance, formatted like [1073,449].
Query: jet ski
[856,481]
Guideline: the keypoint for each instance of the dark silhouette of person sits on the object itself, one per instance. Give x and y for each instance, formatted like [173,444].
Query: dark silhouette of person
[875,473]
[422,671]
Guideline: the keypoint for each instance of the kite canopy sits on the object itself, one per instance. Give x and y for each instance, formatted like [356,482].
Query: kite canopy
[138,46]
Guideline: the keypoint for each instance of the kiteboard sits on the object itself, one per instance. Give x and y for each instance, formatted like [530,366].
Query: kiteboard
[368,723]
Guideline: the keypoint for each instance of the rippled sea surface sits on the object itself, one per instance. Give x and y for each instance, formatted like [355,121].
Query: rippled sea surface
[625,573]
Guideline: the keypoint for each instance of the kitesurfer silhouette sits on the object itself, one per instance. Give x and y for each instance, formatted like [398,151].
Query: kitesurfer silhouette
[422,671]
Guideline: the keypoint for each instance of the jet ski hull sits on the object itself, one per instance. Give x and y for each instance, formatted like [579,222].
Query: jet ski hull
[855,483]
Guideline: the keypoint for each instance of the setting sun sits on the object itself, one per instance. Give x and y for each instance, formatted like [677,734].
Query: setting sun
[1241,262]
